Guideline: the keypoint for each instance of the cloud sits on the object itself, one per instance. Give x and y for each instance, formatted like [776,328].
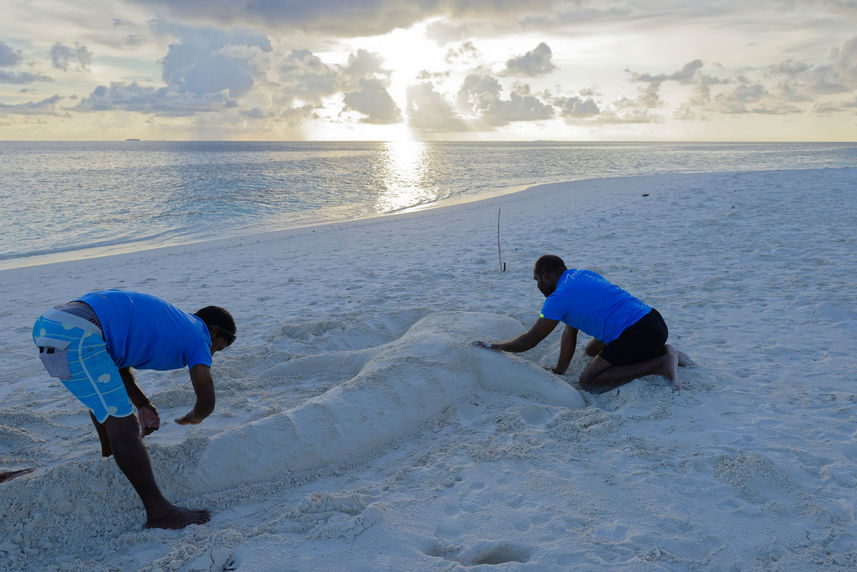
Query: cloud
[332,17]
[151,100]
[47,106]
[63,57]
[303,75]
[737,101]
[801,82]
[466,51]
[686,75]
[844,61]
[575,108]
[363,64]
[9,56]
[346,18]
[429,112]
[480,95]
[626,110]
[207,61]
[363,81]
[189,69]
[373,101]
[21,77]
[532,64]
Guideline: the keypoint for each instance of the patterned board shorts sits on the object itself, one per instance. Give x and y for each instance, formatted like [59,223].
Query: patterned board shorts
[73,349]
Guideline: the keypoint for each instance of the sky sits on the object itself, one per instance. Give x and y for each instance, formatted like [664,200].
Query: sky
[451,70]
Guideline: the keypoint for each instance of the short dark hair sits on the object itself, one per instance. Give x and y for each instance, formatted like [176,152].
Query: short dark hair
[217,316]
[550,264]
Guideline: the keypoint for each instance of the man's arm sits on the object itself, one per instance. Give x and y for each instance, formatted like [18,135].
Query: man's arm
[138,398]
[526,341]
[566,349]
[203,386]
[148,416]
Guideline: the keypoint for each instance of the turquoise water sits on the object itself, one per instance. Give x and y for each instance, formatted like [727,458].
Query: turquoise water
[70,199]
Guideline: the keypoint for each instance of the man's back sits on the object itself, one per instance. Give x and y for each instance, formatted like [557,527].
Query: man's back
[145,332]
[585,300]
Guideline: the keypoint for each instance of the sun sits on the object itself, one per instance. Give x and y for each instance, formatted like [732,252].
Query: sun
[408,54]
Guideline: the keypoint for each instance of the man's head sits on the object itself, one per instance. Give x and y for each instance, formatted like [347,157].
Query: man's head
[547,272]
[220,324]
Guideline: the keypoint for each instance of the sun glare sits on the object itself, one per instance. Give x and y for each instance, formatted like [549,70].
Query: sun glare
[405,174]
[406,53]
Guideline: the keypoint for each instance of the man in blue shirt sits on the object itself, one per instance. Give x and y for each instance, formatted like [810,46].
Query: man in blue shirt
[92,343]
[629,337]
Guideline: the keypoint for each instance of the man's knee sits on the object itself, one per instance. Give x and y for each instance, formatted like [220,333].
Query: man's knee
[121,425]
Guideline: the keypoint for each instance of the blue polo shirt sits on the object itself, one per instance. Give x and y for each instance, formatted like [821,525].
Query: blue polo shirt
[146,332]
[586,301]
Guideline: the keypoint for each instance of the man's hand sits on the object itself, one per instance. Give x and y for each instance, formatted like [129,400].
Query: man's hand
[149,419]
[555,370]
[189,419]
[485,345]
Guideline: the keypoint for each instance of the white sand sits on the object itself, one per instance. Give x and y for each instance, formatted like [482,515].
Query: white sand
[357,429]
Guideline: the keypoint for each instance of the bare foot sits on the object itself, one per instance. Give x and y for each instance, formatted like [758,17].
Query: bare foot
[670,367]
[683,359]
[179,517]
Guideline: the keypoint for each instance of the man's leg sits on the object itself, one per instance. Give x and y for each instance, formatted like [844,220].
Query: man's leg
[594,347]
[102,436]
[600,375]
[132,458]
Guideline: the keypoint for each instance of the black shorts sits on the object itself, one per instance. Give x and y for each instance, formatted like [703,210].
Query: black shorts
[641,341]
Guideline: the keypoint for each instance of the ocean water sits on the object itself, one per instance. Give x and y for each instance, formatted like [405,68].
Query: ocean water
[66,200]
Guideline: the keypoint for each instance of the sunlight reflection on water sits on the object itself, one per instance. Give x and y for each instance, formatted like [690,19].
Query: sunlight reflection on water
[405,176]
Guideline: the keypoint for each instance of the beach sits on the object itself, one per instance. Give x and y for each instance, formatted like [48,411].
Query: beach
[356,428]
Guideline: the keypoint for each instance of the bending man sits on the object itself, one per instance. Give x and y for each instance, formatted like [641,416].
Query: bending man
[629,337]
[92,343]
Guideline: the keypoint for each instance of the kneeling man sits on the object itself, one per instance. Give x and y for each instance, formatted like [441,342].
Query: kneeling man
[629,337]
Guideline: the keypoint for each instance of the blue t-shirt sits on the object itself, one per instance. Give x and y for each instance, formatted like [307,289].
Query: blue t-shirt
[146,332]
[586,301]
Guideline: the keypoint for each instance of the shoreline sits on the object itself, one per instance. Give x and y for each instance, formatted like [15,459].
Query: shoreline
[95,252]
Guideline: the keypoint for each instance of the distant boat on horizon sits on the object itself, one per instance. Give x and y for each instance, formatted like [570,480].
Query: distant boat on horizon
[133,139]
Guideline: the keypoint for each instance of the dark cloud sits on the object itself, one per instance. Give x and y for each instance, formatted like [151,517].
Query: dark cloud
[346,18]
[333,17]
[532,64]
[64,57]
[9,56]
[47,106]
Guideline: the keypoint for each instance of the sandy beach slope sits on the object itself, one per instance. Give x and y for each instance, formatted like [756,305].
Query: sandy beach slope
[357,429]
